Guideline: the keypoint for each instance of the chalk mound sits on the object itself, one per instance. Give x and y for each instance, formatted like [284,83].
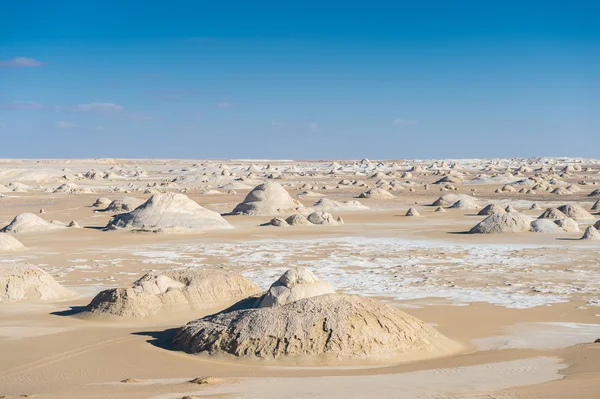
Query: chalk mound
[267,199]
[9,243]
[568,224]
[491,209]
[322,217]
[591,234]
[450,179]
[169,211]
[546,226]
[19,282]
[74,224]
[172,291]
[293,285]
[126,204]
[412,212]
[576,212]
[330,327]
[71,188]
[552,214]
[377,193]
[449,199]
[297,220]
[503,223]
[326,204]
[101,202]
[595,193]
[29,223]
[279,222]
[465,203]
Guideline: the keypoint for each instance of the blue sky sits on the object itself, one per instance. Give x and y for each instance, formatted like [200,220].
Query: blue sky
[308,80]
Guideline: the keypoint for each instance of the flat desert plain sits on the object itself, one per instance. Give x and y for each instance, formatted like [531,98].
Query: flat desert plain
[429,279]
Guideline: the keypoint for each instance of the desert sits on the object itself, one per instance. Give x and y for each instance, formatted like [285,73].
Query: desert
[496,297]
[299,200]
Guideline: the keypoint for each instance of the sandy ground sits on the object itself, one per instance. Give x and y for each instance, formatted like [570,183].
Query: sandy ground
[524,306]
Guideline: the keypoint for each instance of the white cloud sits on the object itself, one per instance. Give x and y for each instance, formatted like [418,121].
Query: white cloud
[20,62]
[401,122]
[224,104]
[100,108]
[66,125]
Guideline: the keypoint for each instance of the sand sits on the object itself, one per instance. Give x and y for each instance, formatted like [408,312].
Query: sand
[523,306]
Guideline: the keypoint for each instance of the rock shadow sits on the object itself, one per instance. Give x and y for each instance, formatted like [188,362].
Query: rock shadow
[72,311]
[161,339]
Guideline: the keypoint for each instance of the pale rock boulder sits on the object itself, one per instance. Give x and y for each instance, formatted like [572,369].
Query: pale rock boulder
[450,179]
[169,212]
[546,226]
[267,199]
[101,203]
[377,193]
[553,214]
[465,203]
[322,217]
[491,209]
[297,220]
[576,212]
[20,282]
[29,223]
[173,291]
[293,285]
[595,193]
[71,188]
[449,199]
[503,223]
[279,222]
[573,188]
[440,209]
[330,327]
[126,204]
[568,225]
[412,212]
[8,243]
[591,234]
